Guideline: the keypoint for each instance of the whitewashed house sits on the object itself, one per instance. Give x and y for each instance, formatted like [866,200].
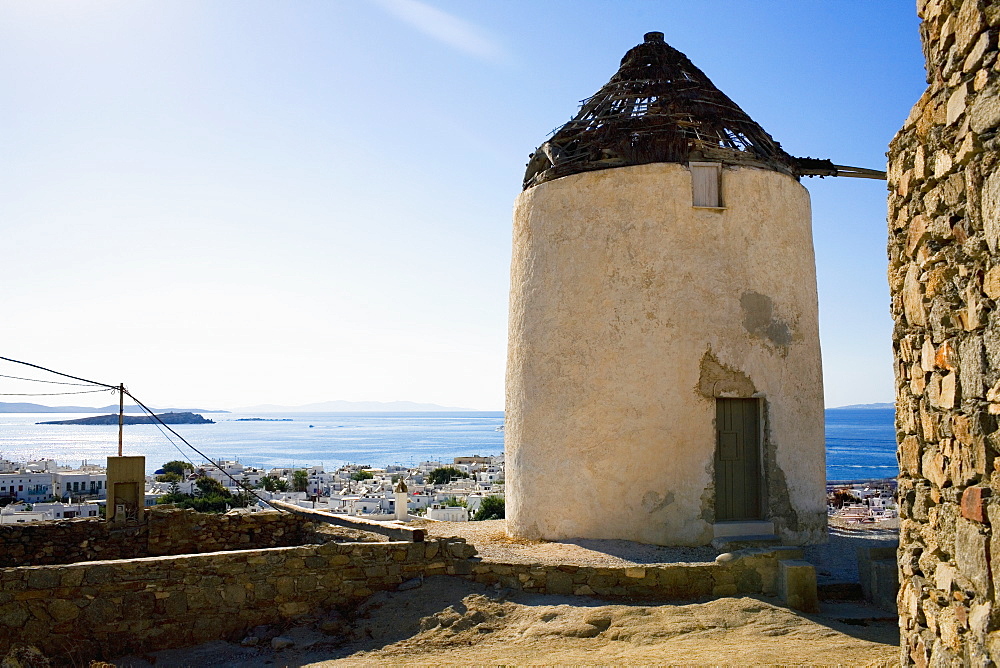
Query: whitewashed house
[444,513]
[24,485]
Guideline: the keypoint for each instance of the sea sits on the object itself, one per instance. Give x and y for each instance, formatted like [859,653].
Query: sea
[860,443]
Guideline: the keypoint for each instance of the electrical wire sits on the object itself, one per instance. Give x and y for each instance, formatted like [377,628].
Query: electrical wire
[52,382]
[64,375]
[118,388]
[51,394]
[173,443]
[203,455]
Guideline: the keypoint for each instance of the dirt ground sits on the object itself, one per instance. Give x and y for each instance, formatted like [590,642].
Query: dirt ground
[451,621]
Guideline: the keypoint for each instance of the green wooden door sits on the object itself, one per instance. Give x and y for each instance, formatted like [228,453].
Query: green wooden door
[737,460]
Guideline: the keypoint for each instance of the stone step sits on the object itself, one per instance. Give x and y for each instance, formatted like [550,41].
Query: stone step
[841,591]
[742,528]
[732,543]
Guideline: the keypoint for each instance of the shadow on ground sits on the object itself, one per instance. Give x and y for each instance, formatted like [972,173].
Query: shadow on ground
[449,620]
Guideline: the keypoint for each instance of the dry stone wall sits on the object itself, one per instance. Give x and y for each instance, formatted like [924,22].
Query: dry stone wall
[100,609]
[78,612]
[751,571]
[944,273]
[164,532]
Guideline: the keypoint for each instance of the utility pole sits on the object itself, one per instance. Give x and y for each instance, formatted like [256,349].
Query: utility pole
[121,415]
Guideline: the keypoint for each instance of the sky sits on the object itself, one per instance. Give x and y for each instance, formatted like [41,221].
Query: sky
[237,202]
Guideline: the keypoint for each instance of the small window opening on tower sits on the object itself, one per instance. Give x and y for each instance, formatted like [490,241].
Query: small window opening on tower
[706,181]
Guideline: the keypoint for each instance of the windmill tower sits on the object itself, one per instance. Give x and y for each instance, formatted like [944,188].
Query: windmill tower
[664,382]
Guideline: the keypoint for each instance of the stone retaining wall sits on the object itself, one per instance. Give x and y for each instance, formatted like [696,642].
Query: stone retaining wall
[165,532]
[944,274]
[753,571]
[102,609]
[78,612]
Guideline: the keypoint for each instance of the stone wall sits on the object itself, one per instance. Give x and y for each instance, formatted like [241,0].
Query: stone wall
[74,613]
[944,273]
[752,571]
[78,612]
[164,532]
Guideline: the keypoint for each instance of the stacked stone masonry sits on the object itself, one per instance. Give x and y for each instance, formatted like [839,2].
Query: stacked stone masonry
[944,275]
[101,609]
[164,532]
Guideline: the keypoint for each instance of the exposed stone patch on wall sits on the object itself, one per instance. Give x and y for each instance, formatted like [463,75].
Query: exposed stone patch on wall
[944,273]
[165,532]
[718,380]
[778,506]
[88,610]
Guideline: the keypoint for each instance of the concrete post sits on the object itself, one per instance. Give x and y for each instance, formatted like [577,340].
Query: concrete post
[401,500]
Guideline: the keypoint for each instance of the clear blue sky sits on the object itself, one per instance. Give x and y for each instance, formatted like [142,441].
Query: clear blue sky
[235,202]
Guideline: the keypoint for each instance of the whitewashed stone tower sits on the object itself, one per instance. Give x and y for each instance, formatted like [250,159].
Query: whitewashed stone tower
[663,377]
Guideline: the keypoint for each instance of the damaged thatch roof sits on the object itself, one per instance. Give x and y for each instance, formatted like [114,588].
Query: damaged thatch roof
[659,107]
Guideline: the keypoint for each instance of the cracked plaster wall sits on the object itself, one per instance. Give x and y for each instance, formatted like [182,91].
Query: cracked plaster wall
[619,290]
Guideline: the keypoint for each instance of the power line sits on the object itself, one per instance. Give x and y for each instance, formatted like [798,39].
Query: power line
[51,382]
[64,375]
[120,388]
[173,443]
[49,394]
[203,455]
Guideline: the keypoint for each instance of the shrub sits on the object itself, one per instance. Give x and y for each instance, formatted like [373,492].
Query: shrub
[177,467]
[491,508]
[440,476]
[272,484]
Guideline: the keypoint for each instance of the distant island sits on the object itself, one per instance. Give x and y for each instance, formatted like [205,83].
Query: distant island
[263,420]
[353,407]
[6,407]
[857,407]
[167,418]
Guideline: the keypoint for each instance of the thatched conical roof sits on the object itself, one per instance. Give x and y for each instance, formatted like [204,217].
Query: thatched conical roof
[659,107]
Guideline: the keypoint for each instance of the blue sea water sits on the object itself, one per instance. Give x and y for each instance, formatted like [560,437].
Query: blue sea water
[330,439]
[859,443]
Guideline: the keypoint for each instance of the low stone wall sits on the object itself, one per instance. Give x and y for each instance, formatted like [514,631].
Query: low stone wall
[165,532]
[66,541]
[752,571]
[74,613]
[90,610]
[174,532]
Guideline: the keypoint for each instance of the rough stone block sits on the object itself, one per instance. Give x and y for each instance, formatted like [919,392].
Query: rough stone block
[974,504]
[909,456]
[956,103]
[975,57]
[971,555]
[797,585]
[879,576]
[559,583]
